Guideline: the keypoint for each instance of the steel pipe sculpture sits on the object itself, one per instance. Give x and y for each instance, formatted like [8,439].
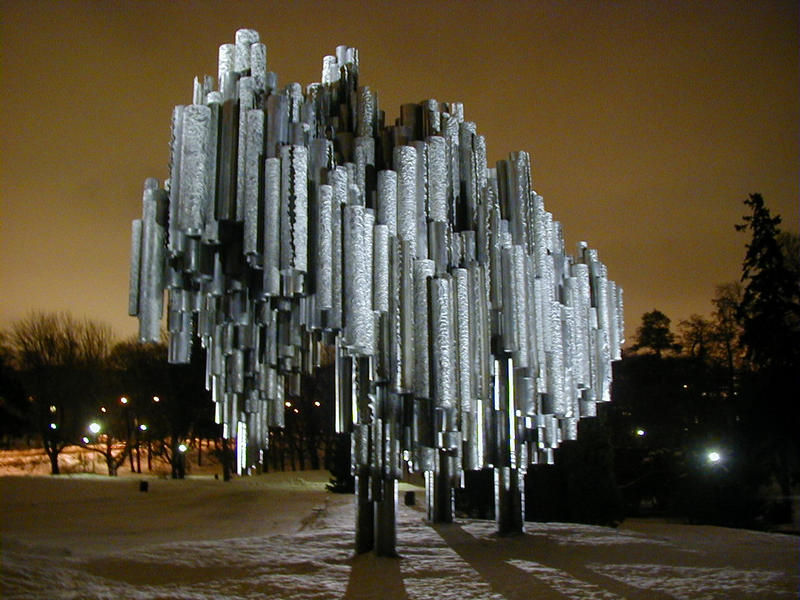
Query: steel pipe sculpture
[465,336]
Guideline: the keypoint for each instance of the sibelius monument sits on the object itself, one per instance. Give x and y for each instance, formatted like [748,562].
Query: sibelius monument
[465,337]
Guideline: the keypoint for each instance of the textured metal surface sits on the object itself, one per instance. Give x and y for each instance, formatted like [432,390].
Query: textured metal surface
[465,336]
[423,270]
[244,38]
[272,231]
[254,156]
[441,348]
[405,164]
[357,293]
[135,267]
[387,200]
[380,269]
[324,258]
[294,207]
[437,179]
[258,65]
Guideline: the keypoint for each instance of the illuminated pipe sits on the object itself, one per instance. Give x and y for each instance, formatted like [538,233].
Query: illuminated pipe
[254,154]
[465,335]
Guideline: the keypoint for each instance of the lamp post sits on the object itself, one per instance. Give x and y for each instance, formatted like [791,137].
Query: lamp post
[124,402]
[94,429]
[181,460]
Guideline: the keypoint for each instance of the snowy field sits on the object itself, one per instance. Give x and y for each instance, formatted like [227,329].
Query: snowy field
[282,536]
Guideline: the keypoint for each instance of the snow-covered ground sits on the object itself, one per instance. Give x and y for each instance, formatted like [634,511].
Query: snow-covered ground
[280,535]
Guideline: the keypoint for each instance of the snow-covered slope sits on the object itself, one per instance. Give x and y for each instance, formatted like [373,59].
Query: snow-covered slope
[282,536]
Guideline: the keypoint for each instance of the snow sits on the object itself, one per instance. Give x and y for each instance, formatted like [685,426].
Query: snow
[280,535]
[691,583]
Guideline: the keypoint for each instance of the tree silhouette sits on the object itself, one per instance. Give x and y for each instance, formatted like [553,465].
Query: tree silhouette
[61,361]
[14,413]
[697,336]
[728,330]
[770,318]
[654,334]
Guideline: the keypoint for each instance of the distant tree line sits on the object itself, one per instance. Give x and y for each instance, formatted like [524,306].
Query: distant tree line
[705,421]
[65,383]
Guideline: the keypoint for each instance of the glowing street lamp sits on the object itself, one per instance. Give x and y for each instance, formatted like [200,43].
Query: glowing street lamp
[123,400]
[640,432]
[94,428]
[182,448]
[713,457]
[142,427]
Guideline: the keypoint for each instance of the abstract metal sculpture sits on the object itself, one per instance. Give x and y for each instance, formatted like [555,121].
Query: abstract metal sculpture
[465,337]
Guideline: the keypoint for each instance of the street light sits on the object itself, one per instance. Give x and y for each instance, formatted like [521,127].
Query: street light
[713,457]
[640,432]
[123,400]
[182,448]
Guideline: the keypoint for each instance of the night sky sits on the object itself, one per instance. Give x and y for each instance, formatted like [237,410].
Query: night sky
[648,123]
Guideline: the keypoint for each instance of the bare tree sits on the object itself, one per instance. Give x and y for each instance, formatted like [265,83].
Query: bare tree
[727,327]
[696,336]
[62,364]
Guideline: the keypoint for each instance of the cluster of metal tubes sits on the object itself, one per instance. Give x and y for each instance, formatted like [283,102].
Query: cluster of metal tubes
[465,337]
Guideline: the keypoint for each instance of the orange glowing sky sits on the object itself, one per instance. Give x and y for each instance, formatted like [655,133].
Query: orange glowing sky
[648,123]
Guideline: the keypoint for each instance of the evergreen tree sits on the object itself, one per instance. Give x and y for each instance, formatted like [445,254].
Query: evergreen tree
[770,318]
[654,334]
